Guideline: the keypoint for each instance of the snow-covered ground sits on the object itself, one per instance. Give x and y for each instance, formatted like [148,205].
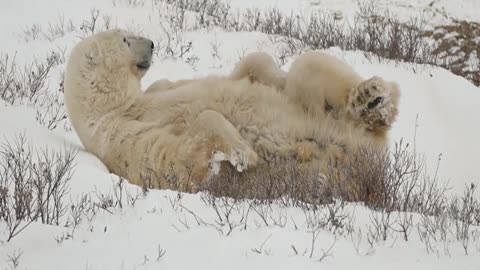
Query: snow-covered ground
[167,230]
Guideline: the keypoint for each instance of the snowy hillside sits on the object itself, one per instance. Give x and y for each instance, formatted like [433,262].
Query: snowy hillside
[105,224]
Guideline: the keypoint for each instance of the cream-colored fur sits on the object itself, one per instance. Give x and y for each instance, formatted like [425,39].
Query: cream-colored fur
[258,67]
[200,123]
[165,84]
[322,84]
[317,81]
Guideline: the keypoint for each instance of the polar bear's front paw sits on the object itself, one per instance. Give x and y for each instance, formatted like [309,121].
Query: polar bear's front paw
[374,102]
[241,160]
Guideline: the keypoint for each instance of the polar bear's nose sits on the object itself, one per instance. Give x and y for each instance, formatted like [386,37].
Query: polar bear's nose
[152,45]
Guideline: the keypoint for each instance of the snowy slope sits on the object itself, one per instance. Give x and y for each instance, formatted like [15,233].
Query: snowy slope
[189,231]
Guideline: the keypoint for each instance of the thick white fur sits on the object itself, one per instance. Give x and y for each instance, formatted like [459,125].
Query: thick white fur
[316,78]
[322,84]
[201,123]
[258,67]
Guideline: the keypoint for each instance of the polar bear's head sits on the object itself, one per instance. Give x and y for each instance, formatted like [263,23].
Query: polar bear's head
[105,69]
[374,103]
[102,77]
[116,50]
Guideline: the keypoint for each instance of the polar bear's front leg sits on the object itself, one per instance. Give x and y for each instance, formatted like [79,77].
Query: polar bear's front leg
[210,140]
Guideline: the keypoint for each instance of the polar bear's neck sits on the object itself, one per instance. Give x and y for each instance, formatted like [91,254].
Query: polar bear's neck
[92,103]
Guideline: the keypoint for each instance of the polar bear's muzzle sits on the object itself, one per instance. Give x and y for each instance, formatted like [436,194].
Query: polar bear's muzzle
[142,49]
[144,64]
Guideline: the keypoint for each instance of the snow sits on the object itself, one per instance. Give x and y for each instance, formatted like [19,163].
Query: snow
[442,104]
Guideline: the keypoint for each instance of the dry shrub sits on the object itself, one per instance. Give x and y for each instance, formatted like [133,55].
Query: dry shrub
[458,47]
[287,180]
[30,86]
[361,176]
[378,32]
[33,184]
[393,180]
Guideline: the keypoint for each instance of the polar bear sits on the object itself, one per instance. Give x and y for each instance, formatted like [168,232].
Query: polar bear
[191,129]
[322,84]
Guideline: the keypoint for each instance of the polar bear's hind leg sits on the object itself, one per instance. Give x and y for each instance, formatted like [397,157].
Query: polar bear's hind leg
[212,139]
[259,67]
